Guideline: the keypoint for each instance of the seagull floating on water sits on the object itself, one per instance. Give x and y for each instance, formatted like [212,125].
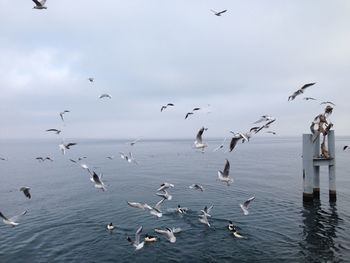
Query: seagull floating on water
[245,205]
[181,210]
[110,227]
[39,4]
[12,221]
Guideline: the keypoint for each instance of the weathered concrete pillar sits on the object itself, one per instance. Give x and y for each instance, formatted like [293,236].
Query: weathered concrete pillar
[331,167]
[308,168]
[316,173]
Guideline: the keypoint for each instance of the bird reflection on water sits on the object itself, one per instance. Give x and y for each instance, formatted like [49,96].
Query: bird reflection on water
[319,231]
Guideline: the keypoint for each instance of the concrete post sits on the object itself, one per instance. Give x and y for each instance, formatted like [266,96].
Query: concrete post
[308,169]
[331,167]
[316,169]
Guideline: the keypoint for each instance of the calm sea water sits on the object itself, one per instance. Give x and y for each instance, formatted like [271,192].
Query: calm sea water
[67,216]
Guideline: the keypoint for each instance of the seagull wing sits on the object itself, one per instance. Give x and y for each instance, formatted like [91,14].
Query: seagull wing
[199,135]
[307,85]
[17,217]
[226,169]
[42,2]
[37,2]
[158,205]
[176,230]
[246,203]
[4,217]
[221,12]
[137,235]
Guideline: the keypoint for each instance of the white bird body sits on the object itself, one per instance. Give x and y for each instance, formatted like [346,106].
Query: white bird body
[198,143]
[224,176]
[12,220]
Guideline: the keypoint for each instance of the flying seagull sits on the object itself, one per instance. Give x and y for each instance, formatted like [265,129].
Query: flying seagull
[198,143]
[97,181]
[272,132]
[327,102]
[42,159]
[264,118]
[91,79]
[197,187]
[63,147]
[62,113]
[134,142]
[195,109]
[105,96]
[2,159]
[345,147]
[224,176]
[12,221]
[235,140]
[245,205]
[136,243]
[188,114]
[110,157]
[25,191]
[54,130]
[169,233]
[309,98]
[207,210]
[39,4]
[164,107]
[204,219]
[139,205]
[155,210]
[164,194]
[164,186]
[300,91]
[218,13]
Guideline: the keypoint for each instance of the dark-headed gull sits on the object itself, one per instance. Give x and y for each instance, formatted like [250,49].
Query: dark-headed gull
[169,233]
[223,176]
[39,4]
[136,243]
[300,91]
[12,221]
[25,191]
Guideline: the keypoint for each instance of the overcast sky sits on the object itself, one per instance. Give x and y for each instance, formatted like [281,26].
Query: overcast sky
[146,53]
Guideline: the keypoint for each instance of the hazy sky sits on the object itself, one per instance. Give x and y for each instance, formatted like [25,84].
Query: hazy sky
[146,53]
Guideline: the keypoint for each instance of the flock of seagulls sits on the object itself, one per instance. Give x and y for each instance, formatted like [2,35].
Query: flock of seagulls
[163,192]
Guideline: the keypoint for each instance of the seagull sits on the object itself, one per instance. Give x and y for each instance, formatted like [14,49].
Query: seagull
[63,147]
[25,191]
[135,141]
[169,233]
[156,209]
[54,130]
[105,96]
[207,210]
[42,159]
[345,147]
[195,109]
[139,205]
[197,187]
[264,118]
[218,13]
[245,205]
[266,125]
[164,186]
[97,181]
[220,146]
[272,132]
[110,157]
[327,102]
[235,140]
[300,91]
[91,79]
[3,159]
[198,143]
[110,227]
[62,113]
[12,220]
[204,219]
[39,4]
[188,114]
[165,195]
[224,176]
[309,98]
[136,243]
[164,107]
[181,210]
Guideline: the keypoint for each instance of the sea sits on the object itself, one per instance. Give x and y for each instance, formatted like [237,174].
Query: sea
[67,216]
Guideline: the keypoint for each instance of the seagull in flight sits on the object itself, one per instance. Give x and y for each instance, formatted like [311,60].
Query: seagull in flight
[42,159]
[207,210]
[3,159]
[169,233]
[197,187]
[188,114]
[218,13]
[346,147]
[91,79]
[235,140]
[97,180]
[62,113]
[105,96]
[309,98]
[134,142]
[264,118]
[327,102]
[164,194]
[63,147]
[272,132]
[198,143]
[25,191]
[164,107]
[39,4]
[155,210]
[245,205]
[220,146]
[139,205]
[136,243]
[300,91]
[165,186]
[54,130]
[12,221]
[224,176]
